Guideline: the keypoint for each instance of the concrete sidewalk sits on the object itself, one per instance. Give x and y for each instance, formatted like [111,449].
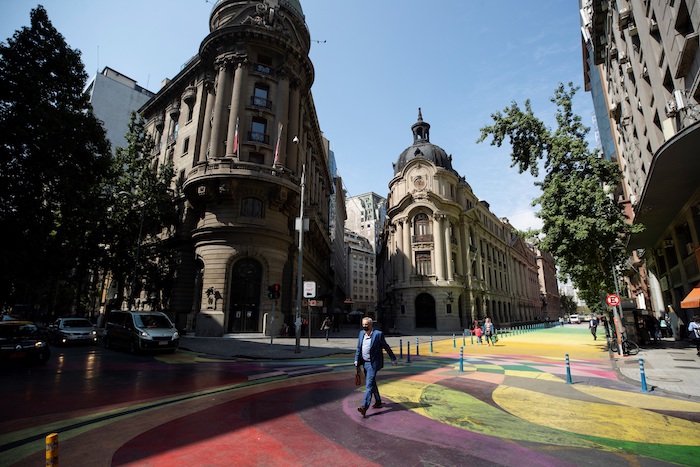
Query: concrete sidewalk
[669,366]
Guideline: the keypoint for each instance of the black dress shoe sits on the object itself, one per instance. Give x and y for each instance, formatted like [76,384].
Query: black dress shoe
[378,405]
[363,411]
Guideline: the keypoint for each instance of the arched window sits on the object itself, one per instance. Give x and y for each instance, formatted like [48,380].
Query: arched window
[421,224]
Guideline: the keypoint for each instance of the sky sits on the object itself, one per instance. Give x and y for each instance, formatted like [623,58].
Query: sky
[376,63]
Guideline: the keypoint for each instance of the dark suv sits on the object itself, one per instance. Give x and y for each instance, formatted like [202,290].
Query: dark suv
[22,341]
[140,330]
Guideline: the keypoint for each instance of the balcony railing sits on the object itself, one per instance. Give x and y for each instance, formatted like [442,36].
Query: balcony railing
[258,137]
[261,102]
[426,238]
[263,69]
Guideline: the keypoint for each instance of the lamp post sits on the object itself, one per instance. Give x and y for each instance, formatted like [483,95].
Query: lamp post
[617,316]
[300,255]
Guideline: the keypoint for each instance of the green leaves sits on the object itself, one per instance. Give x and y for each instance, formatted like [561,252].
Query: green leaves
[54,160]
[581,223]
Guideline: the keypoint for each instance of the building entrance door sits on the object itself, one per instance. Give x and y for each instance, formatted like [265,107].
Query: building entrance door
[425,311]
[246,280]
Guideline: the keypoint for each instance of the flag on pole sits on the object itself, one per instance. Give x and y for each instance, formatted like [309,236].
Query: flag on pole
[277,146]
[235,139]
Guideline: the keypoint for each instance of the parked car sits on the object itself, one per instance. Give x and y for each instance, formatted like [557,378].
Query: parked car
[72,330]
[22,341]
[574,319]
[140,330]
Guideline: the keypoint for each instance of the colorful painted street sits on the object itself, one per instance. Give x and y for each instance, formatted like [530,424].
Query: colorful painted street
[515,403]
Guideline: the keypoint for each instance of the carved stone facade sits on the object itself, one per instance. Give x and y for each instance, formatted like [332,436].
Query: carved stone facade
[448,259]
[240,126]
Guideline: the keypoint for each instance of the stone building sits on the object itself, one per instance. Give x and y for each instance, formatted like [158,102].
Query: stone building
[642,67]
[240,125]
[362,273]
[448,259]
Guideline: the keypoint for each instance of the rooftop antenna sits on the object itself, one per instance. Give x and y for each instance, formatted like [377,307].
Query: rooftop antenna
[318,42]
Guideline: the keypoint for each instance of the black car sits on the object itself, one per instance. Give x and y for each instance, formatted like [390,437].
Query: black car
[22,341]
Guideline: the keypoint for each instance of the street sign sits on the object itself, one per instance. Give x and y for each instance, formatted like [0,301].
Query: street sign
[612,300]
[312,303]
[309,289]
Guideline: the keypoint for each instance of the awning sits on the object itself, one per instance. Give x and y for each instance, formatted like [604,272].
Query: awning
[693,298]
[671,182]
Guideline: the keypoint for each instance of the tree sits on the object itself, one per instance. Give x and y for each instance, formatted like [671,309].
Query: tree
[568,304]
[581,221]
[54,160]
[142,209]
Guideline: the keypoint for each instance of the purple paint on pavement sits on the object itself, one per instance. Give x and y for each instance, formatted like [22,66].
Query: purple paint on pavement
[398,421]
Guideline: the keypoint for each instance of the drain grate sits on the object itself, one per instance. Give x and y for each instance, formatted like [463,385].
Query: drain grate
[689,367]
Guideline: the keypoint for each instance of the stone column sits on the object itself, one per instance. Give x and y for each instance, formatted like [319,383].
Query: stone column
[448,251]
[215,147]
[207,120]
[282,109]
[399,257]
[461,248]
[294,129]
[438,237]
[408,261]
[235,111]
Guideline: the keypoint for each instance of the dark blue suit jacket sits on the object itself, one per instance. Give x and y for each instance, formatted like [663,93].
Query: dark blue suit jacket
[376,356]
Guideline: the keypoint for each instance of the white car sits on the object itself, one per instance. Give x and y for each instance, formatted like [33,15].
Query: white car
[574,319]
[72,330]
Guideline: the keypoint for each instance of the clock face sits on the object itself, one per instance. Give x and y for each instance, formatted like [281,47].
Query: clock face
[419,182]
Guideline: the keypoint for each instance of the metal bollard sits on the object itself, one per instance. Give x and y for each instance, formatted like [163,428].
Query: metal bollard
[52,450]
[408,352]
[471,337]
[417,349]
[464,338]
[431,344]
[642,374]
[400,349]
[461,359]
[454,340]
[568,370]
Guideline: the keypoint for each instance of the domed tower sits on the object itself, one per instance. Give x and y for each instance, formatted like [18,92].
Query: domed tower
[425,244]
[239,124]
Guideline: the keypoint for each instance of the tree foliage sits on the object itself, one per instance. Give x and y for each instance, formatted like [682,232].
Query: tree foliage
[54,161]
[581,223]
[142,208]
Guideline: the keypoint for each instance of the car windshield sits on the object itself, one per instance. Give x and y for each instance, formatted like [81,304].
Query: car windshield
[152,321]
[19,330]
[77,323]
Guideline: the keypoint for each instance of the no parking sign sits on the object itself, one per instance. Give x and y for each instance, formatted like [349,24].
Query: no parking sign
[612,300]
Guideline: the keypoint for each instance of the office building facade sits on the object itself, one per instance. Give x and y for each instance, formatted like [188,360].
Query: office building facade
[240,126]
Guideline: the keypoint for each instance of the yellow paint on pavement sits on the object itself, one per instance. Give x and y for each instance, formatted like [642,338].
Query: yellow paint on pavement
[461,410]
[596,419]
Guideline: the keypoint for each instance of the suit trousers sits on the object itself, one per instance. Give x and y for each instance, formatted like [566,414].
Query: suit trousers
[370,385]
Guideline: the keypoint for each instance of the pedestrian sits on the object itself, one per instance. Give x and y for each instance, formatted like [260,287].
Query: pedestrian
[561,321]
[488,331]
[326,326]
[478,333]
[694,332]
[593,326]
[370,357]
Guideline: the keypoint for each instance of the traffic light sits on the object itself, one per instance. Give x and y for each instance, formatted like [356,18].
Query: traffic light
[273,291]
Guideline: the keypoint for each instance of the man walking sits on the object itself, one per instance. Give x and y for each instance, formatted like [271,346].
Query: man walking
[369,355]
[593,326]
